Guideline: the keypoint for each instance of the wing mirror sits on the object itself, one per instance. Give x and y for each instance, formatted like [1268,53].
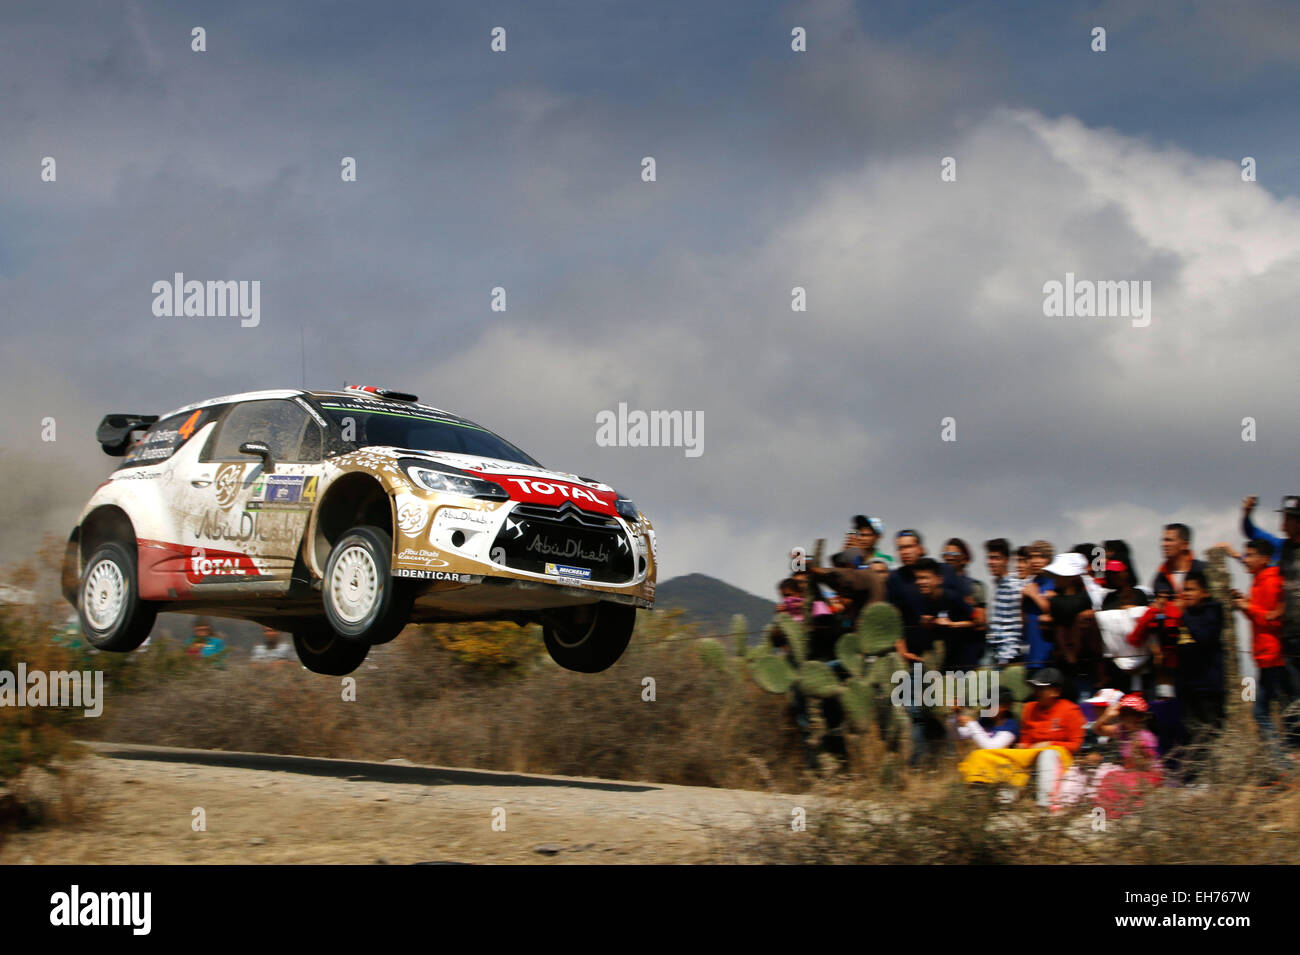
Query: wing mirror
[262,450]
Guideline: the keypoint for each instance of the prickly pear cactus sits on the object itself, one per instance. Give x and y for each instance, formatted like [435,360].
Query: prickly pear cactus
[847,652]
[879,627]
[818,679]
[739,634]
[711,653]
[772,673]
[865,694]
[881,673]
[795,635]
[859,702]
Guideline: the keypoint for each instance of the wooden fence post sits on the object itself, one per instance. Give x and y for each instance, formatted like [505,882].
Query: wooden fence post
[1220,579]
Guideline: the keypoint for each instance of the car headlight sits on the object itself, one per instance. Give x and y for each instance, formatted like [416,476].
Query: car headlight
[452,481]
[627,510]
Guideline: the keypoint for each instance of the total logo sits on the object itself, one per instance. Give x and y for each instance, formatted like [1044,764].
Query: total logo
[205,564]
[552,489]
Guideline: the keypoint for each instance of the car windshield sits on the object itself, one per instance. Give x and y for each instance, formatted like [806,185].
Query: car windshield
[418,429]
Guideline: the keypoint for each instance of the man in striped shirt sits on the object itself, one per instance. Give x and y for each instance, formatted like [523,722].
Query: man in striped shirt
[1005,632]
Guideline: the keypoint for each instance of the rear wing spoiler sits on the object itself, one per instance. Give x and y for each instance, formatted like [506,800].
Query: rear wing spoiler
[114,433]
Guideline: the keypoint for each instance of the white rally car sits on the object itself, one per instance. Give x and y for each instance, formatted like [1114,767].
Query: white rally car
[340,516]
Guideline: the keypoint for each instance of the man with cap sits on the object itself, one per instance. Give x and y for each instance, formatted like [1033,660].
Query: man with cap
[1051,732]
[1287,551]
[863,539]
[851,574]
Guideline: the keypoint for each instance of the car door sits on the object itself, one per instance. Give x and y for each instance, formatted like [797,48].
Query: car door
[152,486]
[247,516]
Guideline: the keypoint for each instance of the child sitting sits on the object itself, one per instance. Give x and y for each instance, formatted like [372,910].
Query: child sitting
[1119,791]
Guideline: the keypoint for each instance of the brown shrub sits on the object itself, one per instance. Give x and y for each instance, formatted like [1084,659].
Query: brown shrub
[415,700]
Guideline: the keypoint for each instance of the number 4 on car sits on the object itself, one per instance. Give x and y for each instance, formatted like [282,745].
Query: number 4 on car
[341,516]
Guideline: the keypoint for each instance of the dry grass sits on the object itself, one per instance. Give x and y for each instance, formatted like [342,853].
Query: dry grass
[1241,816]
[415,701]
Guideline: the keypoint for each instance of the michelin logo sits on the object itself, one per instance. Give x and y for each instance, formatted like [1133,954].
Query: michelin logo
[563,570]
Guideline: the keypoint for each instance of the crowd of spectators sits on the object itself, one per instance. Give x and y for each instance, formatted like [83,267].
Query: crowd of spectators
[1127,675]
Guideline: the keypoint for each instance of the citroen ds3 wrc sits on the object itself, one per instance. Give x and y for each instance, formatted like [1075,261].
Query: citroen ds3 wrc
[340,516]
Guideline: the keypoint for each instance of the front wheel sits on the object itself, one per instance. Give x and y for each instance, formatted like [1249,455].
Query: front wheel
[321,650]
[362,601]
[113,617]
[589,638]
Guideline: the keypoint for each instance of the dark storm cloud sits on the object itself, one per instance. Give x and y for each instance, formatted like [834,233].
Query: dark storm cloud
[775,169]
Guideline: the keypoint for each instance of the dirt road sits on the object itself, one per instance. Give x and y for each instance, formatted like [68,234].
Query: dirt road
[142,803]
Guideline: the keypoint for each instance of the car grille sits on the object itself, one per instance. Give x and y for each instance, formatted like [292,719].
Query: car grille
[535,535]
[565,513]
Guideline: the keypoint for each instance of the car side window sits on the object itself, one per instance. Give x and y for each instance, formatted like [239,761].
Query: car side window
[312,440]
[165,438]
[282,425]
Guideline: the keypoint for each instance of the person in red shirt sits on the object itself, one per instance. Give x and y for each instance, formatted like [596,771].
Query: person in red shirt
[1162,630]
[1263,607]
[1158,629]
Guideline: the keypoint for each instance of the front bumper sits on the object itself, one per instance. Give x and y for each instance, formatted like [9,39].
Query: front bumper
[527,554]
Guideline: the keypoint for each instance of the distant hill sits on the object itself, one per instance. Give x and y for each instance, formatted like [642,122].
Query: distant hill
[710,602]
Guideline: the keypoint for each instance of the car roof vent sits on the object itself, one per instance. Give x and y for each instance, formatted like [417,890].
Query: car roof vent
[382,392]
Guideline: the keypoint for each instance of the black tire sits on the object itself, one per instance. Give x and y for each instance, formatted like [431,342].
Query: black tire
[113,617]
[362,601]
[321,650]
[589,638]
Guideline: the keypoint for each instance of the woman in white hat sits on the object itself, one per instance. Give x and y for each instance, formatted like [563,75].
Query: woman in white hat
[1072,608]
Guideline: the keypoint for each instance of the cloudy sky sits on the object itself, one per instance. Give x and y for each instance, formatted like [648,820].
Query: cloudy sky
[775,169]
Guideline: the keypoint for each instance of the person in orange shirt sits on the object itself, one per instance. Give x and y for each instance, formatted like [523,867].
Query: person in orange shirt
[1264,607]
[1054,726]
[1051,732]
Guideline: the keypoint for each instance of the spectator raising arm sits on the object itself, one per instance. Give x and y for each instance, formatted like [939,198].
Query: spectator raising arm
[1257,533]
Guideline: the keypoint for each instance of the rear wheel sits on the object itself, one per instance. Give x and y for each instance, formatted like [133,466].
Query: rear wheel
[321,650]
[113,617]
[589,638]
[362,600]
